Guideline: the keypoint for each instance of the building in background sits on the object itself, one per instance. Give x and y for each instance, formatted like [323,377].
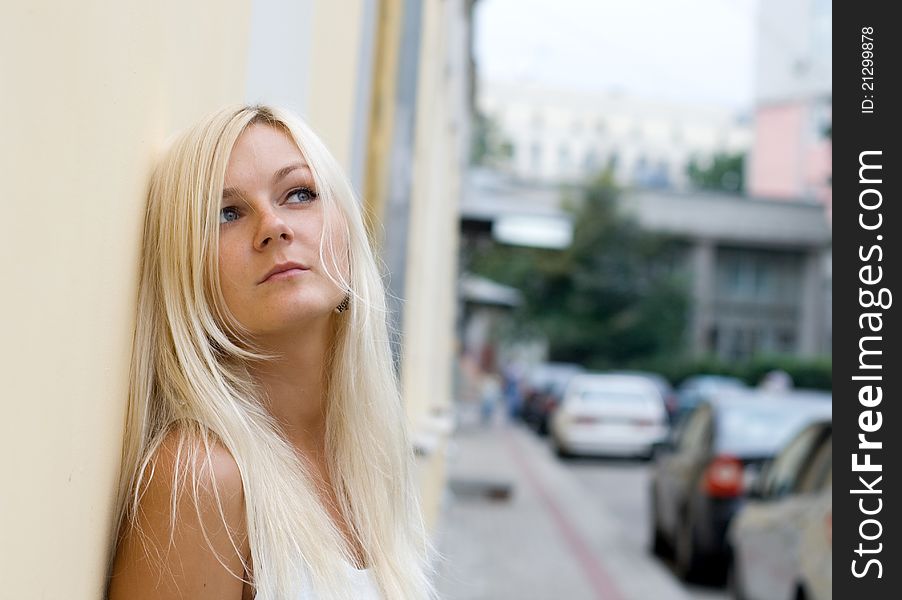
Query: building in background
[791,157]
[98,90]
[563,135]
[757,272]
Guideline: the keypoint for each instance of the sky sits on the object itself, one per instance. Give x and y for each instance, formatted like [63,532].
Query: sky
[697,51]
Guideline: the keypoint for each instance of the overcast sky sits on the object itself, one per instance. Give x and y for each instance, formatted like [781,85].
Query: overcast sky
[684,50]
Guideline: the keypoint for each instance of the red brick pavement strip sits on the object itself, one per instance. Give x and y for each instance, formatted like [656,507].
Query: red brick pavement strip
[601,582]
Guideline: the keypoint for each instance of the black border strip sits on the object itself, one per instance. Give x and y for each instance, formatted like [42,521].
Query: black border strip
[860,255]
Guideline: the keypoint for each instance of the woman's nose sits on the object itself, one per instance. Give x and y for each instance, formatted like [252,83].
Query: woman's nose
[271,227]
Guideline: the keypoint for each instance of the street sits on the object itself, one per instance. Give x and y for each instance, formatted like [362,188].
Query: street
[520,523]
[620,488]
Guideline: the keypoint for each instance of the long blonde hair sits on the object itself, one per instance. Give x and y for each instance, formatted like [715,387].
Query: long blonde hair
[189,374]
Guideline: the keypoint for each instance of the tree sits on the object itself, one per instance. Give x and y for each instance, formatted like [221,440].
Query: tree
[604,301]
[723,173]
[489,146]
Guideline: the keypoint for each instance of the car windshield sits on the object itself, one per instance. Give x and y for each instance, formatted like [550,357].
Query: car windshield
[747,430]
[712,383]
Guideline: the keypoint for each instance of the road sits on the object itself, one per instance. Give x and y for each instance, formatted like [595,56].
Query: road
[620,487]
[518,523]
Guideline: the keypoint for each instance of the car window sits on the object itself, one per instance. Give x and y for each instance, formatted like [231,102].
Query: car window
[782,476]
[693,436]
[816,475]
[748,429]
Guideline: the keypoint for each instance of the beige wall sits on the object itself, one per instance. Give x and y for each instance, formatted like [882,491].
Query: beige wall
[335,74]
[432,245]
[90,91]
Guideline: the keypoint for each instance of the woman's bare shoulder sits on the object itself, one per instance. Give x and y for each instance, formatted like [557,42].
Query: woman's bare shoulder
[192,547]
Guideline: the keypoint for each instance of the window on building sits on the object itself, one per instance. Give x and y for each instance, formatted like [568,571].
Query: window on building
[786,340]
[535,156]
[564,157]
[590,161]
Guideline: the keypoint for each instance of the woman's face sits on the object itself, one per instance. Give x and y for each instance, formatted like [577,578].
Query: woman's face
[272,219]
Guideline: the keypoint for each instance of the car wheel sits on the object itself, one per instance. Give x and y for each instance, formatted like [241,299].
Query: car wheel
[542,427]
[686,557]
[659,545]
[559,450]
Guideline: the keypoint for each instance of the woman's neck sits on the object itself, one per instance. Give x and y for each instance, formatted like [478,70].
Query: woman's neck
[295,384]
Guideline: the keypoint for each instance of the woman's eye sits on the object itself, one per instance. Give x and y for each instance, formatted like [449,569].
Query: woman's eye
[228,214]
[302,195]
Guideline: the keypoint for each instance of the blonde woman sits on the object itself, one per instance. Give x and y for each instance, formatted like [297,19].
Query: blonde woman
[266,454]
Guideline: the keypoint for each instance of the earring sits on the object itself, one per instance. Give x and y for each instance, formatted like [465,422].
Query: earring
[344,304]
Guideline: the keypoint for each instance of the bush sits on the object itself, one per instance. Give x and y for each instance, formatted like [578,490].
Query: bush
[808,373]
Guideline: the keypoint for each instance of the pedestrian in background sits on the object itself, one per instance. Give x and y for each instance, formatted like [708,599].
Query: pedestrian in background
[512,397]
[266,453]
[490,396]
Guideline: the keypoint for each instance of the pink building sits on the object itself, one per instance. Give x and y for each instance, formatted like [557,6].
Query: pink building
[791,156]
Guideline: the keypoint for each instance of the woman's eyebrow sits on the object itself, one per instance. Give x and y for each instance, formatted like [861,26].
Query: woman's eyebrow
[233,192]
[281,173]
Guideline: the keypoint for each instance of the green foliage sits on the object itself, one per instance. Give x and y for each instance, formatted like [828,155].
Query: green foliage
[724,173]
[806,373]
[489,146]
[809,373]
[602,302]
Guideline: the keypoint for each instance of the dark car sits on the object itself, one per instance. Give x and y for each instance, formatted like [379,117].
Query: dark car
[701,475]
[545,387]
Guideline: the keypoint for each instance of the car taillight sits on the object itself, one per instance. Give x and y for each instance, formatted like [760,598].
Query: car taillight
[723,477]
[644,422]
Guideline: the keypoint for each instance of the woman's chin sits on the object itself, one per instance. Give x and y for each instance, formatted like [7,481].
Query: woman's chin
[292,321]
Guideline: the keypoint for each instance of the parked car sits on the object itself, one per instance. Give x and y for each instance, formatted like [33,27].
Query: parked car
[700,476]
[781,538]
[696,388]
[605,414]
[671,401]
[544,389]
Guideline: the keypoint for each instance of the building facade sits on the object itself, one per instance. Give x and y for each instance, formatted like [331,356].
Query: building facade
[563,135]
[791,156]
[757,272]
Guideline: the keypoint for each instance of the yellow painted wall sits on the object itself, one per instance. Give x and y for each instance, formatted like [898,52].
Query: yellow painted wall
[90,90]
[337,28]
[432,252]
[382,113]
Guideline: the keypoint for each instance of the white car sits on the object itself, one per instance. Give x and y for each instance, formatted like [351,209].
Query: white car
[609,414]
[782,538]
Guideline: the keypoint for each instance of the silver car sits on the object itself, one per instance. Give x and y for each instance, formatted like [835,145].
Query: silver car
[781,538]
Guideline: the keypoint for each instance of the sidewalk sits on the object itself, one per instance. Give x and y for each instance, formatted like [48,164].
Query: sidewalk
[546,541]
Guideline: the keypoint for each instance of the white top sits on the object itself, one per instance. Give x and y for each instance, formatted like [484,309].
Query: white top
[362,581]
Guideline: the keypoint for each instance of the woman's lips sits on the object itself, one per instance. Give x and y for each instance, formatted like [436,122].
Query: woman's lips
[287,274]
